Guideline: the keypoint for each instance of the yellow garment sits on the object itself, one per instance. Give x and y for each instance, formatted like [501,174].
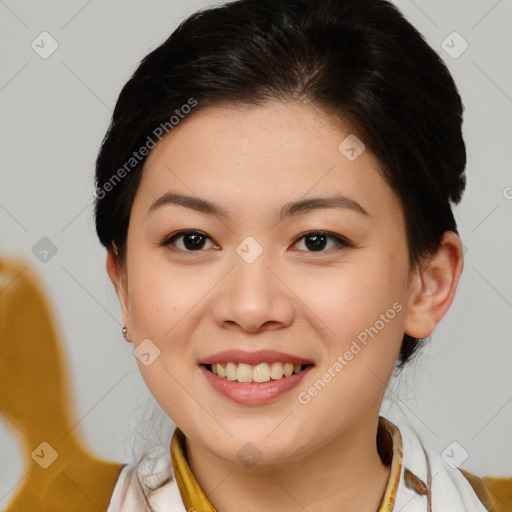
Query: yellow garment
[192,495]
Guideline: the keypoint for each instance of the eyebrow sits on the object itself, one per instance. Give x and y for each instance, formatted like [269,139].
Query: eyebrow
[287,210]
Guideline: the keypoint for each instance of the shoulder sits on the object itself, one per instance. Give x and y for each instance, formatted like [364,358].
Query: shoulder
[148,486]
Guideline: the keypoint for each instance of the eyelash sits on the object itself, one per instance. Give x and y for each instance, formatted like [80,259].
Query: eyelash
[340,241]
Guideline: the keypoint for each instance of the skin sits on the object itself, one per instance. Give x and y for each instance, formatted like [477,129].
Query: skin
[252,160]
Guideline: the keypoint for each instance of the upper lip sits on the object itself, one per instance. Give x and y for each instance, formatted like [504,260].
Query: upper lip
[253,358]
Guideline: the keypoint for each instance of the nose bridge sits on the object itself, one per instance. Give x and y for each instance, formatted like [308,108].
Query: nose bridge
[252,276]
[252,294]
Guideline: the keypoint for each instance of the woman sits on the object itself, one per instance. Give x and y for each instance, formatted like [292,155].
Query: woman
[274,193]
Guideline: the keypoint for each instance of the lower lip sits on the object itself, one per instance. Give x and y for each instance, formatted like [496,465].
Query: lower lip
[246,393]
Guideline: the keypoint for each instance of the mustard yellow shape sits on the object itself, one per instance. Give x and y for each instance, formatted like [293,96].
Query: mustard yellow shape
[493,491]
[61,473]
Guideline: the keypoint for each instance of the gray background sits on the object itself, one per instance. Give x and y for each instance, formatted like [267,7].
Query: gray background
[54,114]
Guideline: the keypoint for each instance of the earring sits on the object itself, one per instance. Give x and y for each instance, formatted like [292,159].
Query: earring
[125,330]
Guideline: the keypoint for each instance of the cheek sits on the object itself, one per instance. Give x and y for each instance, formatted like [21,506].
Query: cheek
[349,299]
[161,295]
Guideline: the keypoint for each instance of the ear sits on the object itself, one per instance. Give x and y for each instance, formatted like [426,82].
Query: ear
[433,284]
[118,278]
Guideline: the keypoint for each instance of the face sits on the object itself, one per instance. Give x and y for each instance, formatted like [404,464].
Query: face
[256,282]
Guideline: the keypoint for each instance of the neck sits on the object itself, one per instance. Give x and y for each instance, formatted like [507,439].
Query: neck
[346,473]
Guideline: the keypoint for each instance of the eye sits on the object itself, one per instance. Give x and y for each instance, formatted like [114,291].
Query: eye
[316,240]
[193,241]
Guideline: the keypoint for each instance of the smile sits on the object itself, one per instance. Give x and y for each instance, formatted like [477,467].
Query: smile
[253,393]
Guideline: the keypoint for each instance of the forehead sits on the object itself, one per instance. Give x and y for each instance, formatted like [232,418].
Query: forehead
[263,156]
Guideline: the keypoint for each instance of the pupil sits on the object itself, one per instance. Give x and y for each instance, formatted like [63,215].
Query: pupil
[318,241]
[193,240]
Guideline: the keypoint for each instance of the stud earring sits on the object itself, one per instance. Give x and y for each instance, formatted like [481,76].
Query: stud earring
[125,330]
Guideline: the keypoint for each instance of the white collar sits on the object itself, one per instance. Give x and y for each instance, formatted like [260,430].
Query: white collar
[444,489]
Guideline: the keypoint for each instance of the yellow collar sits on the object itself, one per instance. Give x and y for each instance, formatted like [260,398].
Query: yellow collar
[389,444]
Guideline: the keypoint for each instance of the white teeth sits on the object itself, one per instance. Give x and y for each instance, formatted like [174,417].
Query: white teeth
[263,372]
[231,371]
[244,373]
[288,369]
[276,371]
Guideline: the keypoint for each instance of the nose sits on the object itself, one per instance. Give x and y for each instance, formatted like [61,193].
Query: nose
[254,297]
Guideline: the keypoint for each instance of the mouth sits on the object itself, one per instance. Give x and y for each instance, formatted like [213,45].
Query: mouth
[255,374]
